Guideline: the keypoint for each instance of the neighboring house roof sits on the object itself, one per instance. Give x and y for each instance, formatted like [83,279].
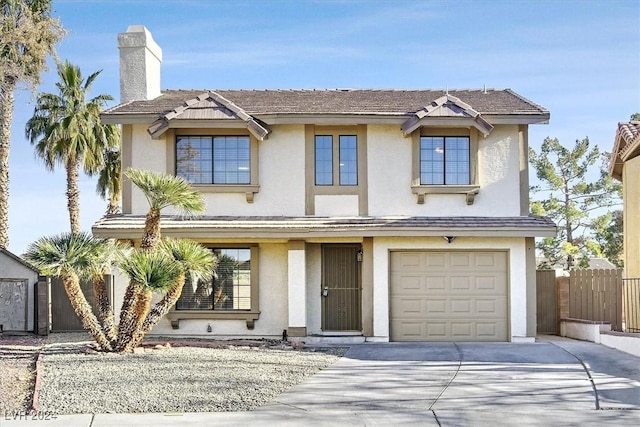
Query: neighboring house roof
[626,146]
[263,104]
[18,260]
[124,226]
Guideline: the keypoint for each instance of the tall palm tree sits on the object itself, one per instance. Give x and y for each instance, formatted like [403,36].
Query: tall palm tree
[194,260]
[29,35]
[148,271]
[66,130]
[162,191]
[110,180]
[71,256]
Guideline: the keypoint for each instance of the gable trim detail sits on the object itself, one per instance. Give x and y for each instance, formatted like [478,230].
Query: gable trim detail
[446,108]
[228,110]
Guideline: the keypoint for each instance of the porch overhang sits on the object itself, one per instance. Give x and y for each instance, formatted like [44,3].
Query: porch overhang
[251,228]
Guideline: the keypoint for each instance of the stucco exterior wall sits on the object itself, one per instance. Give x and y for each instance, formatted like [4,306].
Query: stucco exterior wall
[10,270]
[631,195]
[281,174]
[273,303]
[390,175]
[516,248]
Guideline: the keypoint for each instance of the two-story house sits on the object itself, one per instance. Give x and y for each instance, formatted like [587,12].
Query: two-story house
[382,215]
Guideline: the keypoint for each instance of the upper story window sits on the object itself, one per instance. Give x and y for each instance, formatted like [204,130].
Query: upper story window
[345,155]
[444,160]
[214,159]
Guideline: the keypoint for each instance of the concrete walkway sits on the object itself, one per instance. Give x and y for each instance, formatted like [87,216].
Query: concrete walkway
[554,381]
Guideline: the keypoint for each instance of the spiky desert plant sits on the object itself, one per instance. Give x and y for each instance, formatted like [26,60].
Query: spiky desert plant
[72,256]
[148,271]
[162,191]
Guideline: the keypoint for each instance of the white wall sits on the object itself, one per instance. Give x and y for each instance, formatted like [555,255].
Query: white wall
[517,275]
[390,175]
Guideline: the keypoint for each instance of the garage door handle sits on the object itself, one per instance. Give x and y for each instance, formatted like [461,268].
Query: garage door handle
[325,291]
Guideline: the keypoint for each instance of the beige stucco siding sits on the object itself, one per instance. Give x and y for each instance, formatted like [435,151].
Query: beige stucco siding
[281,174]
[390,175]
[273,303]
[631,195]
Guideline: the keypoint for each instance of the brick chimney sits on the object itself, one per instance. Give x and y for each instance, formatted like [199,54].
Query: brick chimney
[140,59]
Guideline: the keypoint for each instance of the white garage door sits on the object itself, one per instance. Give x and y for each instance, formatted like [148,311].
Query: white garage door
[448,296]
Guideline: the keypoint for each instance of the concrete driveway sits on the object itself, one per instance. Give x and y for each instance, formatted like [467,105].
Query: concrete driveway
[554,381]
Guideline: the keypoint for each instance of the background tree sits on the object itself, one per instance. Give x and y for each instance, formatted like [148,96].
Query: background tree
[635,117]
[109,185]
[28,36]
[571,200]
[66,130]
[608,232]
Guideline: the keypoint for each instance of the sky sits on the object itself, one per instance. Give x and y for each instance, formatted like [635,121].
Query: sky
[578,59]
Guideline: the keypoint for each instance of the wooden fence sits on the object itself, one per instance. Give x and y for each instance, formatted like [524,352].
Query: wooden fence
[631,304]
[597,295]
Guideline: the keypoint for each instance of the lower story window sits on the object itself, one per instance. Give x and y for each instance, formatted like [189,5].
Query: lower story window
[229,289]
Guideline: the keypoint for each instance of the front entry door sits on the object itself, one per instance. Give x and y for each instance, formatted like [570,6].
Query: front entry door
[341,288]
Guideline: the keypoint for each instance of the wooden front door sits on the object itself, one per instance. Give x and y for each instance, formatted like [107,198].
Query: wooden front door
[341,288]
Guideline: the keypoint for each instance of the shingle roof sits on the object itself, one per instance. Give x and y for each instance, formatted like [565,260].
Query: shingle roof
[340,101]
[524,226]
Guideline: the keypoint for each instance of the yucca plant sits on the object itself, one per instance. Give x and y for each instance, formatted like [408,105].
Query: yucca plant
[148,271]
[72,256]
[194,260]
[163,191]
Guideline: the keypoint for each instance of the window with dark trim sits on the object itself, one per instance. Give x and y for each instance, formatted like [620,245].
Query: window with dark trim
[444,160]
[214,159]
[346,156]
[229,289]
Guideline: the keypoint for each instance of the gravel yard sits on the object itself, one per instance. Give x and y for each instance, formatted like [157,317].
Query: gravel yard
[16,378]
[190,376]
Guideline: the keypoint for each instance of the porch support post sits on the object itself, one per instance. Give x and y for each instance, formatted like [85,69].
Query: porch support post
[297,289]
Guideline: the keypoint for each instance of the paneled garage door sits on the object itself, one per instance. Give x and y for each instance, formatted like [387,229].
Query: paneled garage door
[448,296]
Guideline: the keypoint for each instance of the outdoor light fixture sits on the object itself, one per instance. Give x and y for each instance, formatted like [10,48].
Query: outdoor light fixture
[359,255]
[449,239]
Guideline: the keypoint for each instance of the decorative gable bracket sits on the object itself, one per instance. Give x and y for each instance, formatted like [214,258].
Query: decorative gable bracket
[447,110]
[209,106]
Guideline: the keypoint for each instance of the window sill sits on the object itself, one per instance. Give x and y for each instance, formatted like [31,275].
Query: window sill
[248,189]
[249,316]
[469,190]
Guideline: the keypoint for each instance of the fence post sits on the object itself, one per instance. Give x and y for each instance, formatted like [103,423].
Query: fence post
[42,306]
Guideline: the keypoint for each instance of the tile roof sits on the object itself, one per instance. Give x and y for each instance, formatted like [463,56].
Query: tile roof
[278,226]
[340,101]
[625,146]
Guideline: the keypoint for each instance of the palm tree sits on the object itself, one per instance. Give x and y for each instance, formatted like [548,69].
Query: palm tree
[162,191]
[71,256]
[148,271]
[67,131]
[29,35]
[103,258]
[194,260]
[110,180]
